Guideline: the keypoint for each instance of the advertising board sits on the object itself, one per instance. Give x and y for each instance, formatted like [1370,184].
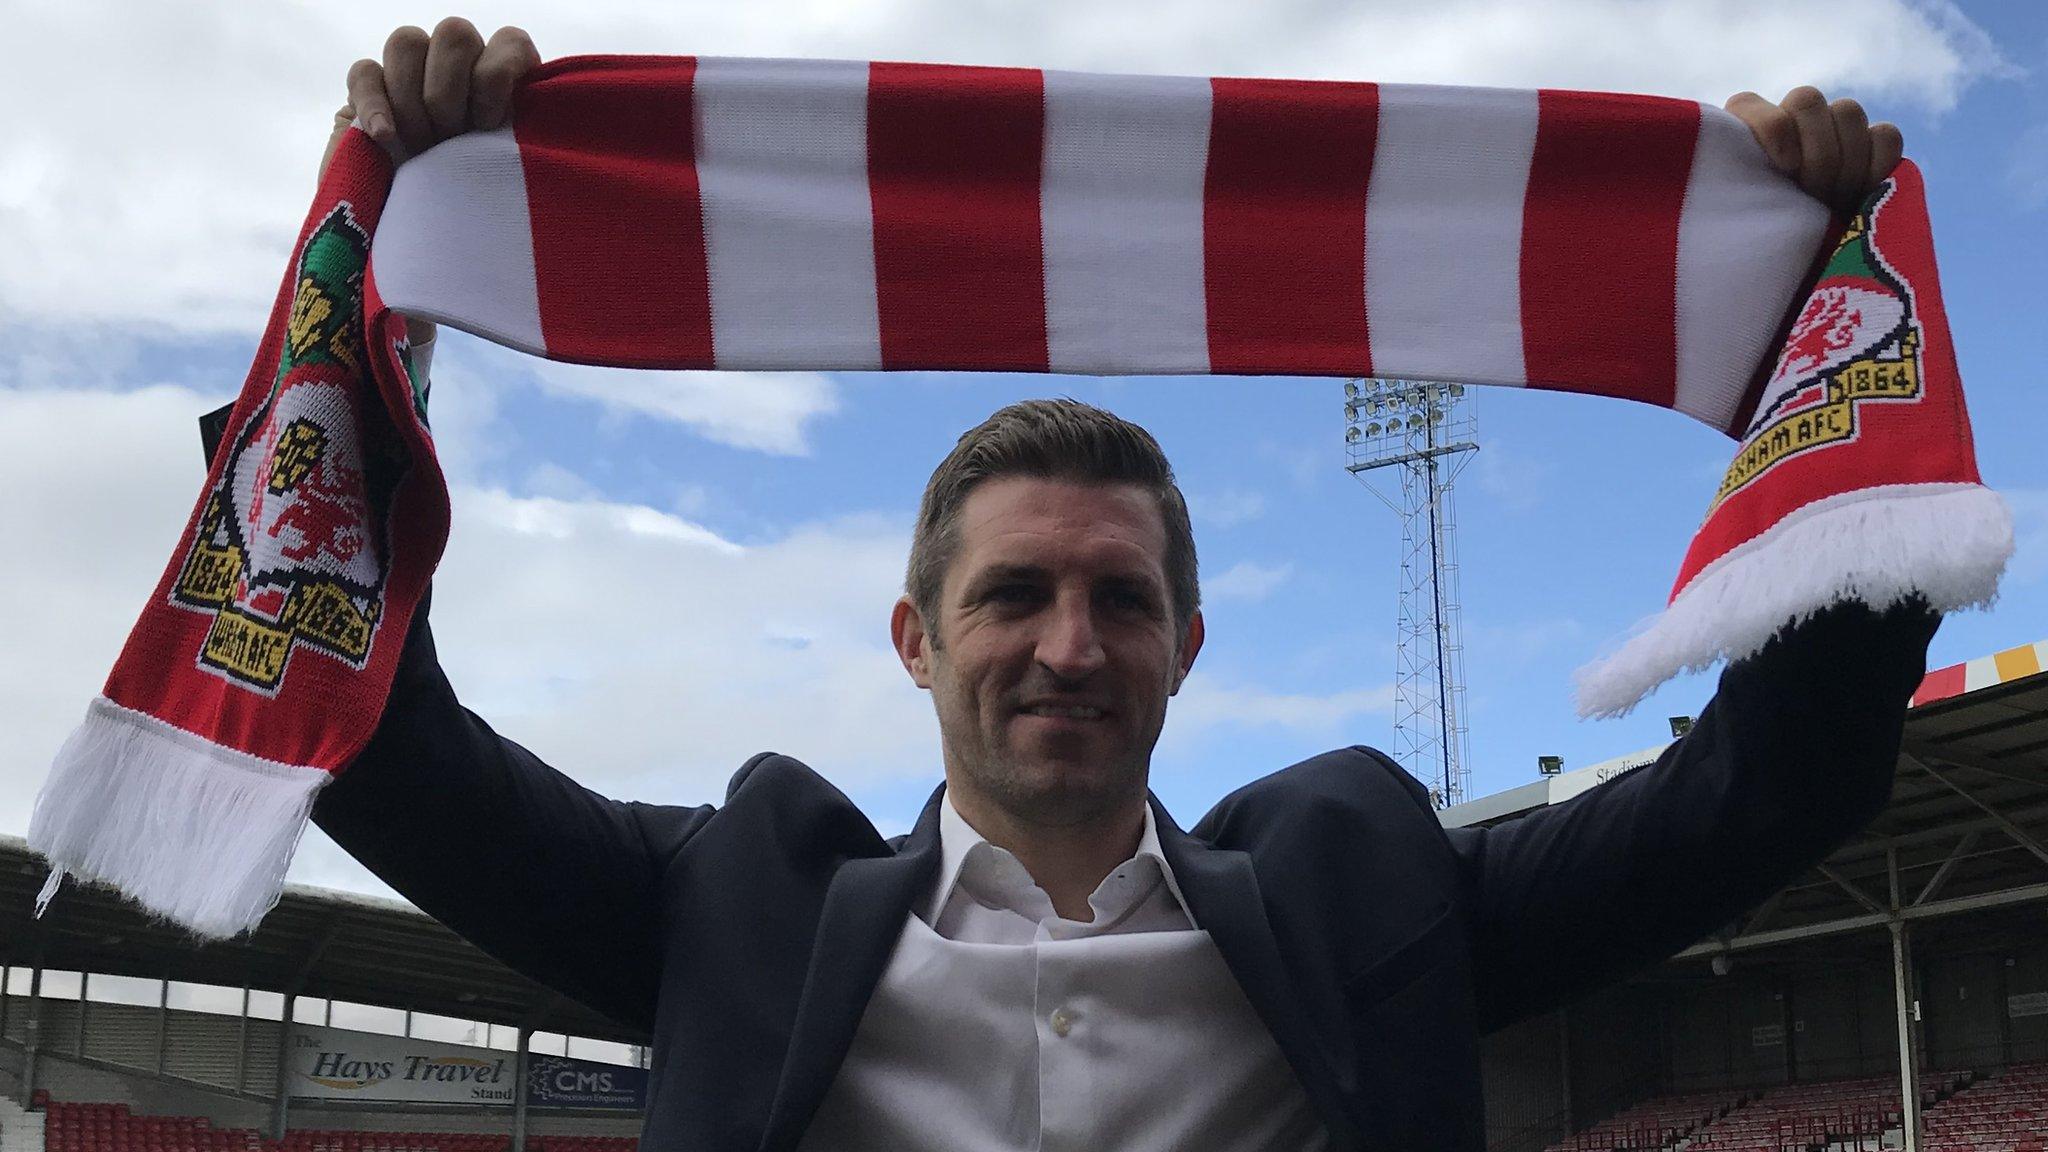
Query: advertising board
[565,1082]
[336,1064]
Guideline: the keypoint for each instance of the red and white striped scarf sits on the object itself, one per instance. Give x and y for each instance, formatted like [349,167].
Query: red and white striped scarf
[747,214]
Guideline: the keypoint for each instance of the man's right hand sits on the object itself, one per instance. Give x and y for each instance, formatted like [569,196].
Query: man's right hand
[431,87]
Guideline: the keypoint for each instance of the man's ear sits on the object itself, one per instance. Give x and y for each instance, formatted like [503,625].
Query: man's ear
[1190,646]
[913,643]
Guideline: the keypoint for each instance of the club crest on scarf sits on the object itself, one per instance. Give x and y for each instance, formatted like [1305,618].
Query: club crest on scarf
[285,555]
[1856,341]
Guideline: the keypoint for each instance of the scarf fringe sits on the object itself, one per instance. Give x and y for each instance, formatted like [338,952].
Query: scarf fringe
[196,833]
[1944,542]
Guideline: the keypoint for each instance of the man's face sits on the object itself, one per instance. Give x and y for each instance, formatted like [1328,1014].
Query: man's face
[1057,647]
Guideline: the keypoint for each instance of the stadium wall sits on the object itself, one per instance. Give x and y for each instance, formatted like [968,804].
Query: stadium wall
[200,1075]
[1987,1008]
[1525,1083]
[1549,1074]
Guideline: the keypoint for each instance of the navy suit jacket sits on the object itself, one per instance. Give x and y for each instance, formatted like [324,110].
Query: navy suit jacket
[1378,946]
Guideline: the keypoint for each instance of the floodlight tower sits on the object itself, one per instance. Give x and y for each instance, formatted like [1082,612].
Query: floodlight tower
[1422,433]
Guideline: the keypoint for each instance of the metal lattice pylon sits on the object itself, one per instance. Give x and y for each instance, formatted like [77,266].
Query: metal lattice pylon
[1407,440]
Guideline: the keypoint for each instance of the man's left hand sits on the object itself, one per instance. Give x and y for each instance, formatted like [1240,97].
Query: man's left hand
[1832,149]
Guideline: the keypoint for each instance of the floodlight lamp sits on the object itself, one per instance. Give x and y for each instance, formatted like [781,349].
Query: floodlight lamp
[1351,435]
[1351,389]
[1415,423]
[1550,765]
[1457,390]
[1680,725]
[1372,429]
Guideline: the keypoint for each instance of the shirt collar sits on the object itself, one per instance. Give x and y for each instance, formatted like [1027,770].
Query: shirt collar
[957,838]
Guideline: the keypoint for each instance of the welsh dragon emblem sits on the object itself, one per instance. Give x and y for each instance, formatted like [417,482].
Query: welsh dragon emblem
[1856,341]
[287,554]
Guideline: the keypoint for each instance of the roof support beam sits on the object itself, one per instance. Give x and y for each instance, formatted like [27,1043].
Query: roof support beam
[1933,910]
[281,1086]
[2011,829]
[539,1016]
[1906,1006]
[1857,850]
[1860,896]
[163,1025]
[1941,874]
[297,983]
[2009,777]
[1919,751]
[1763,912]
[519,1089]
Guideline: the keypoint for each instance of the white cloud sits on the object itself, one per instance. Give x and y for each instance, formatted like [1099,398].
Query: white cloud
[548,478]
[691,499]
[1246,580]
[766,411]
[640,651]
[102,486]
[1226,509]
[647,653]
[171,150]
[2030,534]
[2026,174]
[1205,704]
[1517,479]
[1521,642]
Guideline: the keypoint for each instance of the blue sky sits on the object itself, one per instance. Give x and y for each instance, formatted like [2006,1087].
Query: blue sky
[649,663]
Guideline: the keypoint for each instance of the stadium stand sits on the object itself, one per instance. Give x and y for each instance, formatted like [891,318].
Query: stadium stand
[1659,1122]
[82,1127]
[2005,1113]
[330,1140]
[1842,1114]
[69,1126]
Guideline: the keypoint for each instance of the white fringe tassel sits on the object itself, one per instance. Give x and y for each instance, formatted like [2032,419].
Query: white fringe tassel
[1946,542]
[196,833]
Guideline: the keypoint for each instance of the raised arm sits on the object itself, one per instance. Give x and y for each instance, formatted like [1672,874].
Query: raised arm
[560,883]
[553,879]
[1794,755]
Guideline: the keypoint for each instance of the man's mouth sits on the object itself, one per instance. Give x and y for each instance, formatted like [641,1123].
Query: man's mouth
[1065,711]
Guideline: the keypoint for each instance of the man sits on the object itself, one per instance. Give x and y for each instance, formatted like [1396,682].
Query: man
[1047,960]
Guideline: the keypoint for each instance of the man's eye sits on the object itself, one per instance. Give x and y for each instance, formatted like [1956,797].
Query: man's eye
[1012,593]
[1131,601]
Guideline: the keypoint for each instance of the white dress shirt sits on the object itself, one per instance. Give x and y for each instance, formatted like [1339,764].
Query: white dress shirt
[998,1025]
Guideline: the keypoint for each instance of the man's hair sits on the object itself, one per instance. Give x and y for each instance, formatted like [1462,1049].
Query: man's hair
[1051,440]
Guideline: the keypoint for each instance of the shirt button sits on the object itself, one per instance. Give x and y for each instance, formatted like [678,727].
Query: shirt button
[1062,1022]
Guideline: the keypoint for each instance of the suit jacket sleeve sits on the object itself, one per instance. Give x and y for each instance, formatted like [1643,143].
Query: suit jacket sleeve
[556,881]
[1795,753]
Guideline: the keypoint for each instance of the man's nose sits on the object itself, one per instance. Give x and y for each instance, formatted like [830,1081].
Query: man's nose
[1071,646]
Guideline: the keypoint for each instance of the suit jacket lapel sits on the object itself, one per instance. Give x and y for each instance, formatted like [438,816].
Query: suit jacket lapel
[864,912]
[1223,893]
